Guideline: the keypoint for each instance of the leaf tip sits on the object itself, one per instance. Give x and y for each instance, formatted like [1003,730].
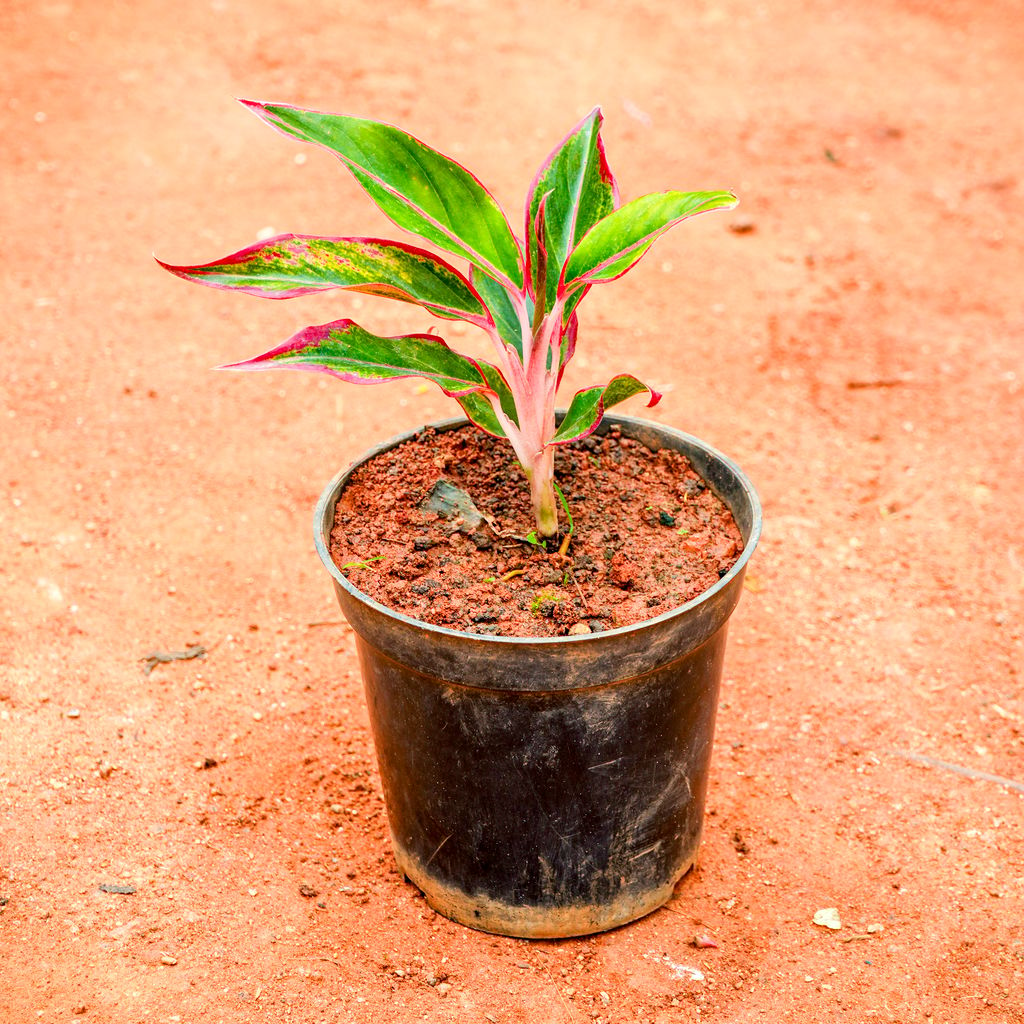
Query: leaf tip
[244,364]
[262,110]
[182,272]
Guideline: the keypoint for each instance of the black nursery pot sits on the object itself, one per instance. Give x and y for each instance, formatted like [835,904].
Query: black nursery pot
[548,787]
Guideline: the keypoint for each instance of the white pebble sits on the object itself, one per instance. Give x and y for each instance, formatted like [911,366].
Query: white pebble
[828,917]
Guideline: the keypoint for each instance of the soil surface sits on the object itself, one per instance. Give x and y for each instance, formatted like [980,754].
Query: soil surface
[440,529]
[191,826]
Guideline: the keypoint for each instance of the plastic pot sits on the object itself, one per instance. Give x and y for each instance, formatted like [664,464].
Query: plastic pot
[548,787]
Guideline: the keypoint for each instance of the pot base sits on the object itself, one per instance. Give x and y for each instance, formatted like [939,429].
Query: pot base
[534,922]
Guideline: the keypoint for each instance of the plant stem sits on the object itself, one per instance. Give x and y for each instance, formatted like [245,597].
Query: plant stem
[542,494]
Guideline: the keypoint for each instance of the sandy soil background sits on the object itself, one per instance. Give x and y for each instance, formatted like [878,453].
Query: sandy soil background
[852,335]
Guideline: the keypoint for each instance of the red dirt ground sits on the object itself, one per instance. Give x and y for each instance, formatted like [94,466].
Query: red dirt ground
[852,335]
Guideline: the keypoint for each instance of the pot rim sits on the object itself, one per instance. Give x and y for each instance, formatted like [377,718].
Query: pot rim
[323,521]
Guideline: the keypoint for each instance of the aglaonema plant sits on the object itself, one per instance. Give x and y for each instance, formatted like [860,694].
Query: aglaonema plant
[523,293]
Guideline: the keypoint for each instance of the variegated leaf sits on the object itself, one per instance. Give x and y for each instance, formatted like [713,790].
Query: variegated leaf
[568,345]
[537,264]
[345,350]
[588,406]
[290,265]
[420,189]
[478,406]
[617,243]
[502,311]
[580,191]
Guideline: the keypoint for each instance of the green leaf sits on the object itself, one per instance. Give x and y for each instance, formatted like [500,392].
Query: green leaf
[345,350]
[496,382]
[499,304]
[616,244]
[565,509]
[537,263]
[580,191]
[572,302]
[588,406]
[420,189]
[477,405]
[290,265]
[567,346]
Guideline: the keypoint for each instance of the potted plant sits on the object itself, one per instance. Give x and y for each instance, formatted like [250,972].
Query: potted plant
[535,785]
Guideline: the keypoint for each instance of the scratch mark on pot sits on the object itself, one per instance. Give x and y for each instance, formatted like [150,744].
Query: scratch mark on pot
[603,764]
[647,851]
[439,845]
